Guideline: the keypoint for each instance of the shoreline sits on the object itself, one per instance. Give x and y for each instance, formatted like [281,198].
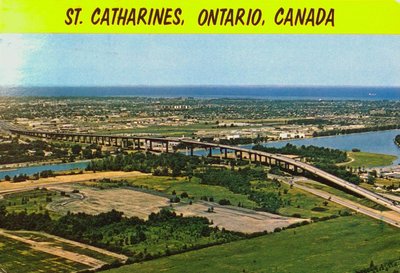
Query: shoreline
[16,166]
[9,167]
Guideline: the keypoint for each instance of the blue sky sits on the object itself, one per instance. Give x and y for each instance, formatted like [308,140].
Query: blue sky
[86,60]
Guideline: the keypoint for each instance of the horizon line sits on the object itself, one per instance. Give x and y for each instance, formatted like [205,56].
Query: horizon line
[204,86]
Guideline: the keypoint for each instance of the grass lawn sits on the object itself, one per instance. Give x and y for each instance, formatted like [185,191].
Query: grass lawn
[34,201]
[295,202]
[193,188]
[388,181]
[18,257]
[368,160]
[340,193]
[307,205]
[344,244]
[42,237]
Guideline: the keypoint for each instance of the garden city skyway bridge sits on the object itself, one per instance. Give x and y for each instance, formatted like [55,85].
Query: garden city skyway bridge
[168,145]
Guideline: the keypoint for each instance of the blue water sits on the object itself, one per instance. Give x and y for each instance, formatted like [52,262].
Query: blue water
[381,142]
[287,93]
[374,142]
[35,169]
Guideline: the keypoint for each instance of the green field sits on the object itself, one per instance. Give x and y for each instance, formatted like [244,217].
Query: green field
[344,244]
[363,201]
[43,237]
[295,200]
[34,201]
[17,257]
[369,160]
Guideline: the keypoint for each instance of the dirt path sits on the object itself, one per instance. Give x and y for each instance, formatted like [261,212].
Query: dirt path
[78,244]
[352,159]
[56,251]
[237,219]
[9,187]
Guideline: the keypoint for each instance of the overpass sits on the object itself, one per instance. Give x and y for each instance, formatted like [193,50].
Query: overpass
[168,144]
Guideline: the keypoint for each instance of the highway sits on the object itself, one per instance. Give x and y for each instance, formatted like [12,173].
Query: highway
[385,216]
[317,172]
[89,138]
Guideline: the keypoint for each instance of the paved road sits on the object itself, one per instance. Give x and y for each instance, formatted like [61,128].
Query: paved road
[388,203]
[390,218]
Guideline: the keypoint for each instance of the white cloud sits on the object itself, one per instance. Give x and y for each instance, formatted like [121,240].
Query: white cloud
[14,53]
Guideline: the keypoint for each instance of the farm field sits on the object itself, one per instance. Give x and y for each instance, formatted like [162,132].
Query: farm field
[355,241]
[18,257]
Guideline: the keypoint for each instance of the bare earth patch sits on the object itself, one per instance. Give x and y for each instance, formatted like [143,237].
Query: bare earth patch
[141,204]
[7,187]
[56,251]
[94,201]
[237,219]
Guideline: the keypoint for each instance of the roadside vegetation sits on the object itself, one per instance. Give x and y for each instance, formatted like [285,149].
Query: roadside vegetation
[241,184]
[355,241]
[323,158]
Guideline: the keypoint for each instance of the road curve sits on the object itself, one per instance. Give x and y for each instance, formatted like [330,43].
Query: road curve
[388,203]
[379,215]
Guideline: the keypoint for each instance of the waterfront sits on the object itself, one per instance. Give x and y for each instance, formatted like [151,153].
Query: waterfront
[373,142]
[37,169]
[380,142]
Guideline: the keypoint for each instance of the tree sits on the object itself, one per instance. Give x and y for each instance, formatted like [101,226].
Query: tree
[371,179]
[76,149]
[87,153]
[7,178]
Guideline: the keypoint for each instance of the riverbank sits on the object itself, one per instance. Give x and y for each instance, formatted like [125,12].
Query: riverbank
[8,187]
[368,160]
[15,166]
[397,140]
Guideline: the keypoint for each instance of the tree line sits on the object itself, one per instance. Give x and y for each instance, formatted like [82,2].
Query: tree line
[397,140]
[112,231]
[323,158]
[356,130]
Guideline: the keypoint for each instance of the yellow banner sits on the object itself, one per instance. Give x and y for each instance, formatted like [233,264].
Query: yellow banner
[201,16]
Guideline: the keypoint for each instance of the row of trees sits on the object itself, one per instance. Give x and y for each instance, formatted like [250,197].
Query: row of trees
[35,176]
[176,164]
[323,158]
[113,231]
[311,153]
[164,164]
[356,130]
[16,152]
[397,140]
[238,181]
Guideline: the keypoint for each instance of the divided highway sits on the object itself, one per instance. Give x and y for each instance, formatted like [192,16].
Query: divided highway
[166,142]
